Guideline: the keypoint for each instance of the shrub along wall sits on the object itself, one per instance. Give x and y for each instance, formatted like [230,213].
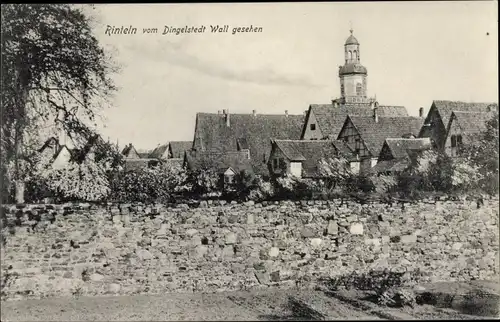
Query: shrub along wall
[129,249]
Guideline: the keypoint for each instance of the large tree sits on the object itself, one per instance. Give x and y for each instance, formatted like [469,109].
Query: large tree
[53,71]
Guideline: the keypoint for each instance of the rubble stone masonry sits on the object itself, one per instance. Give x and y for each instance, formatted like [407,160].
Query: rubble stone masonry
[81,249]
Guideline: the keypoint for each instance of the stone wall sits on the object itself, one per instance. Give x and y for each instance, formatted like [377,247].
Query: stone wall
[127,249]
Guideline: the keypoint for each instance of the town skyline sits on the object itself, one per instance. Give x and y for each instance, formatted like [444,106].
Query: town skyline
[443,51]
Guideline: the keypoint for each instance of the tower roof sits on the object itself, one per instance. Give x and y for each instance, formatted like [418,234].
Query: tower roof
[351,40]
[352,68]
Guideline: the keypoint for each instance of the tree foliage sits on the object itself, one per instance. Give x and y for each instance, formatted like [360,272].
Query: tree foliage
[149,185]
[53,71]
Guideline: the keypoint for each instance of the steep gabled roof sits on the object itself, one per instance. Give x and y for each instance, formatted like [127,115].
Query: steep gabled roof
[374,133]
[330,119]
[212,134]
[179,147]
[129,149]
[218,161]
[159,151]
[77,155]
[470,122]
[445,108]
[399,147]
[310,152]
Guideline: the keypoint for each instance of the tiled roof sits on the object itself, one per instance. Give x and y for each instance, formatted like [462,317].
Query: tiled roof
[212,134]
[330,119]
[445,108]
[218,161]
[395,165]
[310,152]
[77,154]
[399,147]
[159,151]
[138,163]
[129,149]
[470,122]
[375,133]
[179,147]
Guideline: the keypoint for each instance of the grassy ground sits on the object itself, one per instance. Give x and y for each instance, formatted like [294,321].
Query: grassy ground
[266,304]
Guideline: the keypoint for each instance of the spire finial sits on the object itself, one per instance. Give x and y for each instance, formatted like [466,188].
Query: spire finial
[351,30]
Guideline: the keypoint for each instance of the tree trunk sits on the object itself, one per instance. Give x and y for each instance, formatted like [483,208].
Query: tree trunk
[18,138]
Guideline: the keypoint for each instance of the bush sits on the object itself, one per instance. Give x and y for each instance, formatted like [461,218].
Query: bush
[388,287]
[149,185]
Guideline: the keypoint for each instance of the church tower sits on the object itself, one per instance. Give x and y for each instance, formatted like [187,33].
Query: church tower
[353,74]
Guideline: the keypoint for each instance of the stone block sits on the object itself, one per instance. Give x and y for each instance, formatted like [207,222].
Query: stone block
[307,232]
[114,288]
[262,277]
[333,227]
[264,254]
[273,252]
[191,232]
[456,246]
[407,239]
[96,277]
[237,268]
[228,251]
[316,242]
[356,229]
[144,254]
[203,204]
[275,276]
[373,241]
[250,219]
[230,238]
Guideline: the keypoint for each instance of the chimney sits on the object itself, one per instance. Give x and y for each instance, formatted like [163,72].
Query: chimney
[218,112]
[286,113]
[226,113]
[254,112]
[335,103]
[305,113]
[421,112]
[375,114]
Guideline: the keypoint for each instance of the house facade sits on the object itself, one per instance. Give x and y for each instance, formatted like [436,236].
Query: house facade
[137,160]
[437,120]
[227,165]
[366,135]
[464,128]
[249,134]
[171,150]
[301,158]
[395,155]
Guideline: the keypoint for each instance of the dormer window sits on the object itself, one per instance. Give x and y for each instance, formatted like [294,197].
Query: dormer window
[312,127]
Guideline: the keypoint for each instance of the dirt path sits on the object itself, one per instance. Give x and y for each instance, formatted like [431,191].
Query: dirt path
[255,305]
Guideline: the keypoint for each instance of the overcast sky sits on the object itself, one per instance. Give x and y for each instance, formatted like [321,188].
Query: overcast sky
[415,52]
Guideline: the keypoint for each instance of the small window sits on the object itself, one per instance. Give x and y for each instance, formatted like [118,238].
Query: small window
[359,89]
[313,127]
[357,145]
[282,163]
[228,179]
[275,164]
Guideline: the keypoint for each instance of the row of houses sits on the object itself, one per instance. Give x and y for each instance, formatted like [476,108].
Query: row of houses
[373,138]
